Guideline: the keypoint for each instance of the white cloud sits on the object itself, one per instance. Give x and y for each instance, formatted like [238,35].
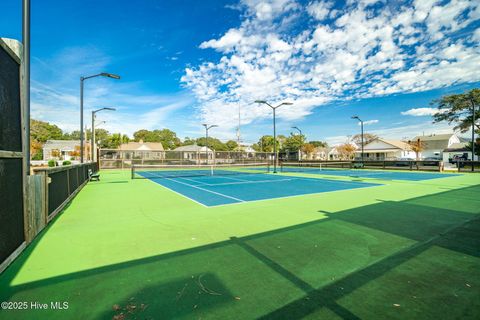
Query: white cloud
[362,53]
[420,112]
[369,122]
[319,9]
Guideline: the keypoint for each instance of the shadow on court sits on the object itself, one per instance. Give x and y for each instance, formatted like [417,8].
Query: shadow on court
[385,260]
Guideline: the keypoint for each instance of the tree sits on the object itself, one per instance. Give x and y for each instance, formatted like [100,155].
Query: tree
[294,142]
[317,144]
[231,145]
[42,131]
[113,141]
[74,135]
[477,144]
[308,148]
[367,138]
[36,149]
[188,141]
[417,147]
[213,143]
[457,109]
[167,137]
[265,144]
[145,136]
[346,151]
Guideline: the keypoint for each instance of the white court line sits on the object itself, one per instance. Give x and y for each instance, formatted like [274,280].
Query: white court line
[196,181]
[225,177]
[250,182]
[180,194]
[294,196]
[206,190]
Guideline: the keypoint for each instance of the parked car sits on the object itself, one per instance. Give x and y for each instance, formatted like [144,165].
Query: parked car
[403,162]
[431,161]
[458,158]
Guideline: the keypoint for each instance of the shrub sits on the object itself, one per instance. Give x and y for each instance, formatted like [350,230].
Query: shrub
[52,163]
[66,163]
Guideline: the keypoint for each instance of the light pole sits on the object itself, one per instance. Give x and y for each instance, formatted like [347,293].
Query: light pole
[26,77]
[274,130]
[299,151]
[207,127]
[82,79]
[92,147]
[473,133]
[361,124]
[299,131]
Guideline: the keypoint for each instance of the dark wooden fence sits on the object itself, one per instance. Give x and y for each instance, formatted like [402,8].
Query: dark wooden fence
[12,154]
[60,185]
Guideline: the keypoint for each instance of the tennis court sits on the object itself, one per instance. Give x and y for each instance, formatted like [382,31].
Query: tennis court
[221,185]
[135,249]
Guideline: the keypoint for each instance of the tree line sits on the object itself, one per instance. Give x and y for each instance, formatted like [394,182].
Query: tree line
[42,131]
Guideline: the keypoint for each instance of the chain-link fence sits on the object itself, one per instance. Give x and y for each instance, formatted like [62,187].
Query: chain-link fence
[124,159]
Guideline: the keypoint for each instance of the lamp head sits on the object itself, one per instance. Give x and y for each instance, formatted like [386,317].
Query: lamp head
[287,103]
[260,101]
[108,108]
[355,117]
[110,75]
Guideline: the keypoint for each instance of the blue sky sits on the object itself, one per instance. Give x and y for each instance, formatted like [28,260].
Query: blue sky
[187,62]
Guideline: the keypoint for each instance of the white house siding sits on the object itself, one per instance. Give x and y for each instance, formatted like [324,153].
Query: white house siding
[382,150]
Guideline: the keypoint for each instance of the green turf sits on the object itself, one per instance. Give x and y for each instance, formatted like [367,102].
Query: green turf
[132,249]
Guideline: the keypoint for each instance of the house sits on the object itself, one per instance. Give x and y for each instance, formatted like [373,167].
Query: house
[63,150]
[434,144]
[342,151]
[383,149]
[332,153]
[319,153]
[457,149]
[136,150]
[195,153]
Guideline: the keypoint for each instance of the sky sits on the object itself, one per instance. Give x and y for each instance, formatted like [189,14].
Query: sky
[183,63]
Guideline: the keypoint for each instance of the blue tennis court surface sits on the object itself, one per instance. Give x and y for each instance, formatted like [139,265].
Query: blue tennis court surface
[221,190]
[365,173]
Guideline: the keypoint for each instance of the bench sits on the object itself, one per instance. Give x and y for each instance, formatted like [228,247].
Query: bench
[93,176]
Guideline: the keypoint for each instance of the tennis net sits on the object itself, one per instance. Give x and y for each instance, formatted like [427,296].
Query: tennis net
[175,171]
[314,166]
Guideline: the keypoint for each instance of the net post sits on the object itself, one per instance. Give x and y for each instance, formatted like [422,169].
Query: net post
[133,170]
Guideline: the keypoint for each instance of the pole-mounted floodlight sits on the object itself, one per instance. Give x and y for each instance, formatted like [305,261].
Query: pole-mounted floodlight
[298,129]
[207,127]
[275,158]
[110,75]
[93,147]
[82,79]
[361,124]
